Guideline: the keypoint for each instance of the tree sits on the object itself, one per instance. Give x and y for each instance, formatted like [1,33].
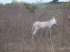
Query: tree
[54,1]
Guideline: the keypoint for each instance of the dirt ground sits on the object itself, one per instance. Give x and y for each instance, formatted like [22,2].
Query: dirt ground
[16,30]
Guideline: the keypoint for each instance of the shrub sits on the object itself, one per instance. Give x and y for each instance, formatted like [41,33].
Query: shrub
[30,8]
[67,5]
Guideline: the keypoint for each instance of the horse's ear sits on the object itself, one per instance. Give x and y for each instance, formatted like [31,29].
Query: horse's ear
[54,18]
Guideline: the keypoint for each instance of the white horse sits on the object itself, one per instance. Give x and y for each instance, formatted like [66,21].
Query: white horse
[43,24]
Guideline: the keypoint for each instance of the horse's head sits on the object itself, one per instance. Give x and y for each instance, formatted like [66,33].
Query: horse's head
[53,22]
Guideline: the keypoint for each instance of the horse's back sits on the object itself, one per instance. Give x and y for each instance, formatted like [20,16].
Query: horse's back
[36,23]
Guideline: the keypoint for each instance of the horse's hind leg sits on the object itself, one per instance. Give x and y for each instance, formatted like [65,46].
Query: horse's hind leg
[34,34]
[35,30]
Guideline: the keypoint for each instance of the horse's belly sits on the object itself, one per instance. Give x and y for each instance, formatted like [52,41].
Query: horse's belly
[43,26]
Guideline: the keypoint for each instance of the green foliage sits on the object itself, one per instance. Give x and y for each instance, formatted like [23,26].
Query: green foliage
[67,5]
[30,8]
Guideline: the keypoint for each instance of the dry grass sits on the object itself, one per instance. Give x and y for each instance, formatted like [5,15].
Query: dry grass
[15,30]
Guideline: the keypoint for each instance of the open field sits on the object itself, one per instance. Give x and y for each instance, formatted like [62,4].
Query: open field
[16,30]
